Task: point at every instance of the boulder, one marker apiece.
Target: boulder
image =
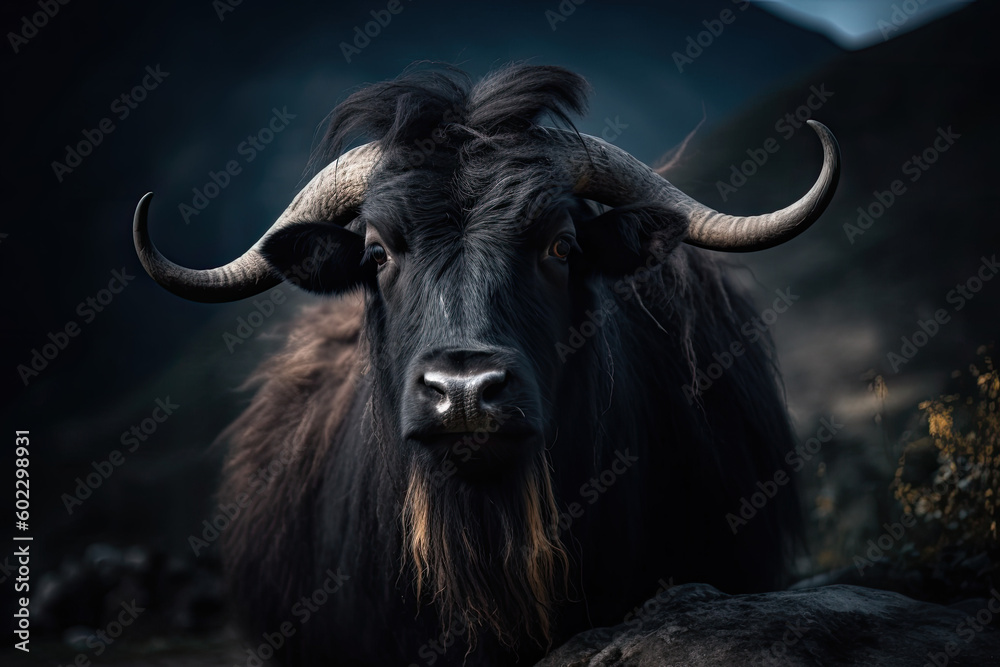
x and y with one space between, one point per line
695 624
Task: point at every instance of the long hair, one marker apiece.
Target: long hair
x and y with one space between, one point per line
494 559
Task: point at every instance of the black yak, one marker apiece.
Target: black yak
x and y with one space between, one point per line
493 432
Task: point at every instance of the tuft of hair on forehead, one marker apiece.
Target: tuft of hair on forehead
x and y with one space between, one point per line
431 97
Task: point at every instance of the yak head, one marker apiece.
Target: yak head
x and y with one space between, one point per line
474 233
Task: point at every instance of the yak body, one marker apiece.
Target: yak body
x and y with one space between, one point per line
334 507
361 546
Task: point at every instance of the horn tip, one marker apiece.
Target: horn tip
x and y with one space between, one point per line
145 199
822 130
140 233
143 204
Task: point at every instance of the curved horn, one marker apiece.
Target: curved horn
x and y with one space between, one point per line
339 187
609 175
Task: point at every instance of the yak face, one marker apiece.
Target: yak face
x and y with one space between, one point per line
473 269
472 289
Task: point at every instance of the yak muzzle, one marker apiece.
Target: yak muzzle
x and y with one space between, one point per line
464 400
477 400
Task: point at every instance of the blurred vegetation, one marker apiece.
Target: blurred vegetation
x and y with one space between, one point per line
956 505
943 471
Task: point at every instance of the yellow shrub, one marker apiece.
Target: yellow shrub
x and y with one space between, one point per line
959 503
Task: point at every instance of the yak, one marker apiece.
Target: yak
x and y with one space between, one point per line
493 430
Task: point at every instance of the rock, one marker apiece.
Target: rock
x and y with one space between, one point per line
77 636
137 559
695 624
84 594
200 604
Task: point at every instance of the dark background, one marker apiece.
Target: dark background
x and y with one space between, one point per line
63 239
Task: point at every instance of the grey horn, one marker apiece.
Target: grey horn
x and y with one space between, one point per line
609 175
337 188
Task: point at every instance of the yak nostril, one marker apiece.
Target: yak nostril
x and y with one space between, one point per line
439 382
444 386
490 385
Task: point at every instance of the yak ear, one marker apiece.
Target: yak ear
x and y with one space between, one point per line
319 257
624 239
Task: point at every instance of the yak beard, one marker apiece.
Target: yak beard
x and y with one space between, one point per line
488 556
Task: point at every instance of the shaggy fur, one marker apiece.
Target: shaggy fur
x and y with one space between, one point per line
445 569
469 582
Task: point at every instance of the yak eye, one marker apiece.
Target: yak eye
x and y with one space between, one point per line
376 253
561 247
